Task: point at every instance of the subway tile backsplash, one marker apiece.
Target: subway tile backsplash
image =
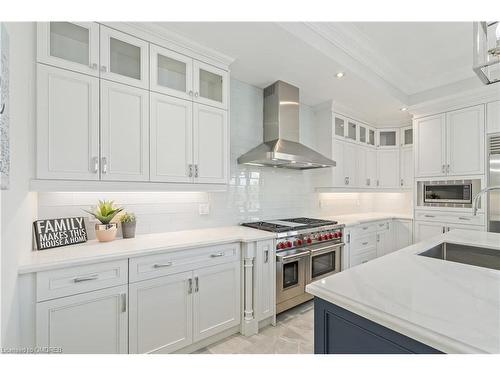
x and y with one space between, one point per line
254 193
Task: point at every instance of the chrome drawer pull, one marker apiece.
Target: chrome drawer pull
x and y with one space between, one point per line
464 218
429 216
196 284
381 225
364 243
85 278
161 265
124 302
190 286
364 228
217 255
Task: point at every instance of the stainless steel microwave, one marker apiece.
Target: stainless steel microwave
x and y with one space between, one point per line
448 193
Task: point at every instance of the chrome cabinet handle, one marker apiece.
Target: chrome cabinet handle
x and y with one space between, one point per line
95 162
266 256
367 182
104 162
190 92
196 94
348 238
217 255
378 182
378 237
464 218
447 229
196 170
124 302
196 285
444 229
346 181
429 216
364 261
190 286
162 265
402 183
364 228
190 170
93 66
447 168
104 68
381 225
86 278
2 109
364 243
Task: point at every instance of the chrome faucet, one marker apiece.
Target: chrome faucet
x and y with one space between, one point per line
476 198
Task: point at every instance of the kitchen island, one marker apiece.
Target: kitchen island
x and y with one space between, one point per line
407 303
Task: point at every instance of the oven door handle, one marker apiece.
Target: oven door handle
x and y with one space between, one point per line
325 249
291 257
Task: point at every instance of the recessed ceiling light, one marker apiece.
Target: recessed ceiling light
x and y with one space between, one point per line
339 74
403 109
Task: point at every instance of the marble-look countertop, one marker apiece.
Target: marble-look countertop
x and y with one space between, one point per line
449 306
94 251
357 219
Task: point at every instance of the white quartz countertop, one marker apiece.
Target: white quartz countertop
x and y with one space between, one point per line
94 251
449 306
357 219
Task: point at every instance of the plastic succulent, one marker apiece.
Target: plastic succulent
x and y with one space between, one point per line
105 212
127 217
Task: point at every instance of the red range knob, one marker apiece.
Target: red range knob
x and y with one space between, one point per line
309 241
336 235
330 236
281 245
321 238
340 234
299 242
289 244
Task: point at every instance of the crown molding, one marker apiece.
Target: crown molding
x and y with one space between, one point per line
481 95
156 33
334 42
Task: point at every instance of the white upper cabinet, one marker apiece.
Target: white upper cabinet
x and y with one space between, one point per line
67 125
211 85
124 58
171 73
406 136
406 167
388 168
493 117
371 167
450 144
171 139
388 138
430 146
465 141
69 45
350 162
211 144
124 133
352 130
362 174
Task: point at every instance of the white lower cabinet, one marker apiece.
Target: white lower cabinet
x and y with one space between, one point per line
216 299
406 167
93 322
427 229
161 314
265 268
403 233
385 240
171 312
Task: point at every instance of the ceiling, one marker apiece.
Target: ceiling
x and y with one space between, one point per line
387 65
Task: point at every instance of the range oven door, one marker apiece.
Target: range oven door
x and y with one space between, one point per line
325 260
291 267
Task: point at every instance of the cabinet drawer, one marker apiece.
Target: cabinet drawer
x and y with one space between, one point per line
362 244
451 217
364 257
151 266
75 280
363 229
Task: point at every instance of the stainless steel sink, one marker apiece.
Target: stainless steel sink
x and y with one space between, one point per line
476 256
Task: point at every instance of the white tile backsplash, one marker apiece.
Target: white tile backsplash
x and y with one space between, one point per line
254 193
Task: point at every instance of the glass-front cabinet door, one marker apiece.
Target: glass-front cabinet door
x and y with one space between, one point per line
351 130
124 59
362 134
407 136
171 72
371 137
69 45
210 85
388 138
340 125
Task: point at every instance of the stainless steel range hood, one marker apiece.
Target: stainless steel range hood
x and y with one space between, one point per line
281 147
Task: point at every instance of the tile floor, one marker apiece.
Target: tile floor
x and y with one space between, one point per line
293 334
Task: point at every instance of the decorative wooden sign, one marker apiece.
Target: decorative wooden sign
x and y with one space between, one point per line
59 232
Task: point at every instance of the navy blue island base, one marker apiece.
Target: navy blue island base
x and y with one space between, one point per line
339 331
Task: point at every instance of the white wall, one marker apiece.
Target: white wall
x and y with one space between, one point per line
18 204
254 193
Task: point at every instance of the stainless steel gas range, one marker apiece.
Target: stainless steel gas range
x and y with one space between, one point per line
306 250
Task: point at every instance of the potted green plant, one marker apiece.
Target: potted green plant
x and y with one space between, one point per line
105 212
128 222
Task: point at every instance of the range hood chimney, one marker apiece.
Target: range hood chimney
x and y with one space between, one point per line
281 147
